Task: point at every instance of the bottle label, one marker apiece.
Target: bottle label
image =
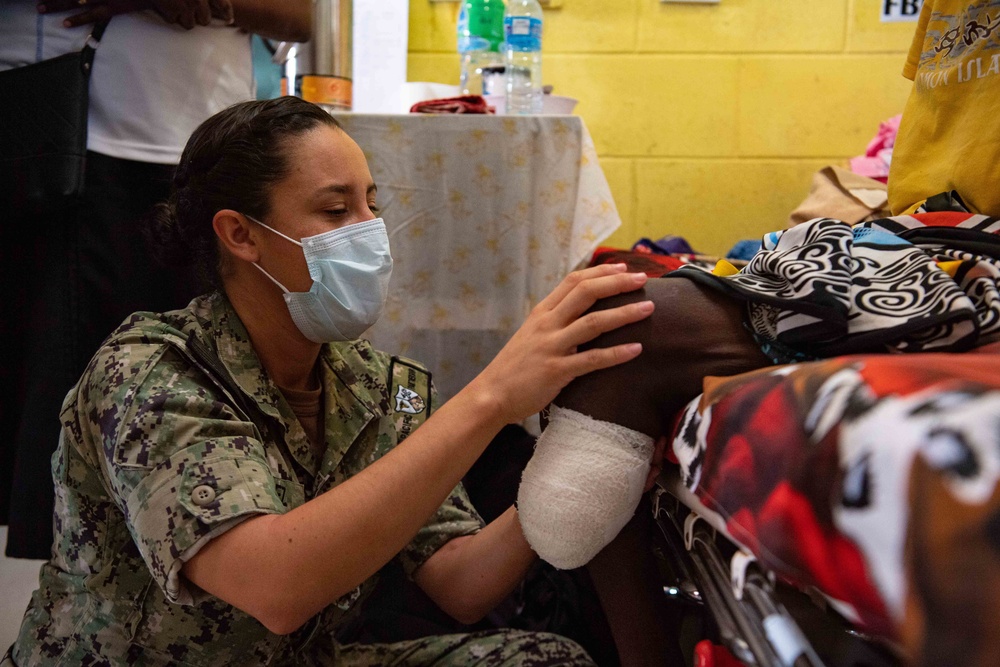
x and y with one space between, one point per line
473 43
523 33
333 91
480 26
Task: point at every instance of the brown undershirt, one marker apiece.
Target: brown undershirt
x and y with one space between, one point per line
308 407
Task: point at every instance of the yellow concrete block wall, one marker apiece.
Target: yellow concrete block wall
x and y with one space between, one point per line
709 119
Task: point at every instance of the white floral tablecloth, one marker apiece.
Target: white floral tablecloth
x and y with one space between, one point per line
486 214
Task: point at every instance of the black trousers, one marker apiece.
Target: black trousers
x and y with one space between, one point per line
68 281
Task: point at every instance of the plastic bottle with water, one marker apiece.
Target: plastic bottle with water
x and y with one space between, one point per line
523 49
480 36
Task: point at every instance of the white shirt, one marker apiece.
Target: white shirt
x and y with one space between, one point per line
152 83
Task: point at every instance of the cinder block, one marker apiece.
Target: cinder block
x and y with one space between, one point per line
805 106
743 26
592 26
714 203
438 67
432 26
867 34
651 105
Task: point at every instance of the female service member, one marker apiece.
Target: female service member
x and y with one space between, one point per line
231 476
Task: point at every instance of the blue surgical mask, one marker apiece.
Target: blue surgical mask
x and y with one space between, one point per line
350 268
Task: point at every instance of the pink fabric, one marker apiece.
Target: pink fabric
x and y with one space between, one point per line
878 155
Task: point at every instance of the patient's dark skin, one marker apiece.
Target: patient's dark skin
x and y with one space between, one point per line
693 333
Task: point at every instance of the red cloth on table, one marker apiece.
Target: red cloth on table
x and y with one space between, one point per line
462 104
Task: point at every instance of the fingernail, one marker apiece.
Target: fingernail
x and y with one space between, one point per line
639 277
646 306
633 348
620 267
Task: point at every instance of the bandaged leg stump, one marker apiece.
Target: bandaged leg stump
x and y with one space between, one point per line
581 486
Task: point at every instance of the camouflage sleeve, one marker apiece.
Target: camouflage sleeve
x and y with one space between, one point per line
454 518
180 463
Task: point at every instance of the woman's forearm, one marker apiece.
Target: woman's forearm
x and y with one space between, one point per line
288 20
469 576
283 569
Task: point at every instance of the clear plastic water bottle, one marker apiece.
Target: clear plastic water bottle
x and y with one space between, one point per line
523 49
480 36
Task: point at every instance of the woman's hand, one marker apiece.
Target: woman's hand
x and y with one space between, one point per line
542 358
185 13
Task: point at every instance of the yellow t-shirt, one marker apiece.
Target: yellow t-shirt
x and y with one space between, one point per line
949 138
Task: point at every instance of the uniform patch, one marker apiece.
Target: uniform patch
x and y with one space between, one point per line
409 401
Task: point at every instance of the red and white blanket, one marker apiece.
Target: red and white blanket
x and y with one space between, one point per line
872 478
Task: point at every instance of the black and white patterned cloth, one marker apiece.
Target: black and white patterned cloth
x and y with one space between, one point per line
930 281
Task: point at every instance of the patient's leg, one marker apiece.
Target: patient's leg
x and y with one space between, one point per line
693 332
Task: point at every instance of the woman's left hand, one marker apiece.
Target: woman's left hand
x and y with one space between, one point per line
543 357
185 13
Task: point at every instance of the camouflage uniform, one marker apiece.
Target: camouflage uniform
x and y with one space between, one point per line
175 434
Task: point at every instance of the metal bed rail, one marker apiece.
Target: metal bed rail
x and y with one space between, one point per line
736 592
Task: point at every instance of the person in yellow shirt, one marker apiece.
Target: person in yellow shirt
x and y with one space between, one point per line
945 140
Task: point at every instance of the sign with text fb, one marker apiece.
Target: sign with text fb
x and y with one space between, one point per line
895 11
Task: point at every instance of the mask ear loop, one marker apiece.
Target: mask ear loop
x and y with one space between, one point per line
259 267
272 279
272 229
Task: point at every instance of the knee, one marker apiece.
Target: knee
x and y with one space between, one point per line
693 332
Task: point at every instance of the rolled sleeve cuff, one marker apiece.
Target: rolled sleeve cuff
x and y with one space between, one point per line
177 509
455 518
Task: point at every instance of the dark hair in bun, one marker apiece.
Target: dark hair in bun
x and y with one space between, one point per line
230 161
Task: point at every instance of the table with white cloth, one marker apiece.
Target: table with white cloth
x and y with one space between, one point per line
486 214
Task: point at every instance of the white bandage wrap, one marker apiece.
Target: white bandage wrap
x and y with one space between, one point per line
581 486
